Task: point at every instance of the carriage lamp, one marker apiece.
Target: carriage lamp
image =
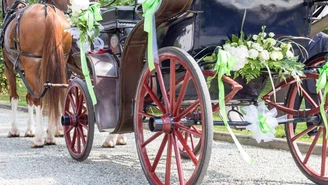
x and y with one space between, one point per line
114 41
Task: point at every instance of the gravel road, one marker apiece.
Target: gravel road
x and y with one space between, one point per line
22 165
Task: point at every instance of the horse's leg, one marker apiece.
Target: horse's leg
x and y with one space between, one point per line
14 132
55 122
39 132
38 140
51 130
121 140
59 128
114 139
30 132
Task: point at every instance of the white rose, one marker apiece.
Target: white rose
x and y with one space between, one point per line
240 54
253 54
280 55
79 5
255 37
264 55
271 34
243 48
226 47
257 46
276 48
263 34
289 54
274 55
249 44
271 41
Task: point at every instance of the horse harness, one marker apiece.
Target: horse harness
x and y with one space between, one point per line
10 15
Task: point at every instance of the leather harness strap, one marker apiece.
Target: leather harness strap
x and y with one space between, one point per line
11 15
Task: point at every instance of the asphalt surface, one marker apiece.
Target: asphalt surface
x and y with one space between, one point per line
21 164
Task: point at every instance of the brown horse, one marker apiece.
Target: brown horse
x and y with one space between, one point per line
34 45
60 4
112 139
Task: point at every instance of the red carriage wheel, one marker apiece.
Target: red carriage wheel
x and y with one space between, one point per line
310 158
78 120
166 136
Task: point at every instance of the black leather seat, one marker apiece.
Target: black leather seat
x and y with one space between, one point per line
119 17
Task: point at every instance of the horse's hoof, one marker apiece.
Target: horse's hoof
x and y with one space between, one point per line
29 134
50 143
59 134
37 146
13 134
108 144
121 142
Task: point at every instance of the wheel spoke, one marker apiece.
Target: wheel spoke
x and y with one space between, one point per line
69 130
195 129
312 127
159 154
178 159
154 98
182 92
187 129
152 138
78 141
172 85
192 141
308 154
308 97
84 142
80 103
71 101
142 113
162 86
187 110
84 125
73 140
187 148
85 110
168 162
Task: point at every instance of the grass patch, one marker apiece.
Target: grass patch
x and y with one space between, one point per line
21 91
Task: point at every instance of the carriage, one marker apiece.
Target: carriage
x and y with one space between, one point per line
171 108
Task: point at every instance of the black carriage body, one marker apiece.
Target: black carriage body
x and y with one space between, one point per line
211 22
207 24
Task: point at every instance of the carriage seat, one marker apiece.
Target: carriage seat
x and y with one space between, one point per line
119 17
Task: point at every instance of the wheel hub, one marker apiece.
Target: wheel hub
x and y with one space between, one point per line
166 123
70 120
161 124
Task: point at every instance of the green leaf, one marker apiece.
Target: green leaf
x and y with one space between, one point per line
234 38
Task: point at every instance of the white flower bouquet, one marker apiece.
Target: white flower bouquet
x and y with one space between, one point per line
262 52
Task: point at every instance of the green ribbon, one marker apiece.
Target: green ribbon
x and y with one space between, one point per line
264 126
86 74
89 27
224 63
150 7
322 84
